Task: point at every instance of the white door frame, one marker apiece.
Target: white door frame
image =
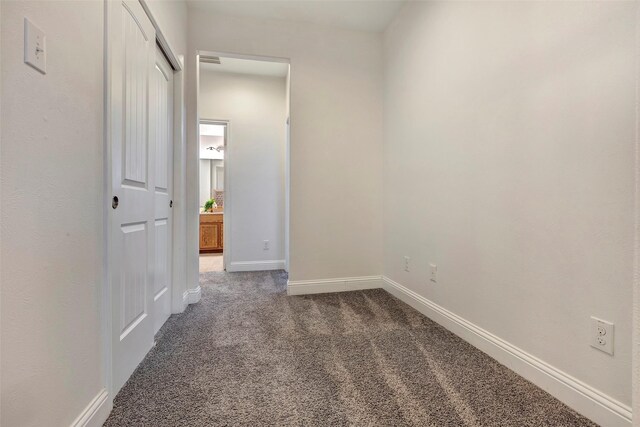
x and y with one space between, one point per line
179 140
226 222
195 162
635 327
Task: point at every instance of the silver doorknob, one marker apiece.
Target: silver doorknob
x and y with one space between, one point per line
114 202
171 203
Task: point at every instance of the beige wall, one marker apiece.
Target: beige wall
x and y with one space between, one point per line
51 214
509 163
171 16
635 374
523 197
336 120
255 107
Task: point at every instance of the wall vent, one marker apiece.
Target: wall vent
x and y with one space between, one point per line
210 59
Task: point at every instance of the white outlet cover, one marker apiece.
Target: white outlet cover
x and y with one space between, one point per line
434 273
35 50
602 335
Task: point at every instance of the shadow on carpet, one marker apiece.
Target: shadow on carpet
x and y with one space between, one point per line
249 355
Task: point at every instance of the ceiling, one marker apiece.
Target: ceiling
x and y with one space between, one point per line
364 15
211 130
247 66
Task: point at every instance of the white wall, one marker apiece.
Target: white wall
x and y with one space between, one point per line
171 16
1 37
509 163
635 373
287 175
255 107
51 214
336 118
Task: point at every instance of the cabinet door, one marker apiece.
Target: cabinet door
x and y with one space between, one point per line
203 240
216 238
208 236
221 234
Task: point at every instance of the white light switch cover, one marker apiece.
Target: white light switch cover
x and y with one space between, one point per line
35 47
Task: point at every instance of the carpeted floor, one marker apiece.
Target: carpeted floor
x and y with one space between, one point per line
249 355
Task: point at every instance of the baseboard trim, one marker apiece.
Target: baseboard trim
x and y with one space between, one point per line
96 413
590 402
255 266
302 287
192 296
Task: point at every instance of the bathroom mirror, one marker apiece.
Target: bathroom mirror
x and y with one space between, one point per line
212 146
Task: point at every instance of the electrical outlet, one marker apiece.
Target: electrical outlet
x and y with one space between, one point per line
266 245
602 333
406 263
34 47
434 273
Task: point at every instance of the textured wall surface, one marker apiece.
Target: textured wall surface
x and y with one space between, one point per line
256 110
635 375
51 214
509 163
336 137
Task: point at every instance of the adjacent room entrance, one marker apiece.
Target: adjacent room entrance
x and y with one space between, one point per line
213 137
243 112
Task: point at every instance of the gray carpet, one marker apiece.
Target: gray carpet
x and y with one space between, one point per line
249 355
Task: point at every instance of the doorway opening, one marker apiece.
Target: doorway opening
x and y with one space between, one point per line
212 140
243 140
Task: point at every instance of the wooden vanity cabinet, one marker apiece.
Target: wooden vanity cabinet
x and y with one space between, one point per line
211 232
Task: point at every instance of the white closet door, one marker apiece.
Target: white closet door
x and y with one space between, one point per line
132 255
162 135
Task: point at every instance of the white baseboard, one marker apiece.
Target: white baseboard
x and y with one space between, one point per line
192 296
588 401
255 266
301 287
96 413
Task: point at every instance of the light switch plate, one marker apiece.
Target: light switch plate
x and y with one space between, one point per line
35 53
433 269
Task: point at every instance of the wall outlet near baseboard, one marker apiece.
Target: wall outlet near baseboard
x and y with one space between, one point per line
35 53
602 333
265 246
406 263
434 273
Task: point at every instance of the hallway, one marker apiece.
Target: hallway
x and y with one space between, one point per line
474 162
210 263
248 354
